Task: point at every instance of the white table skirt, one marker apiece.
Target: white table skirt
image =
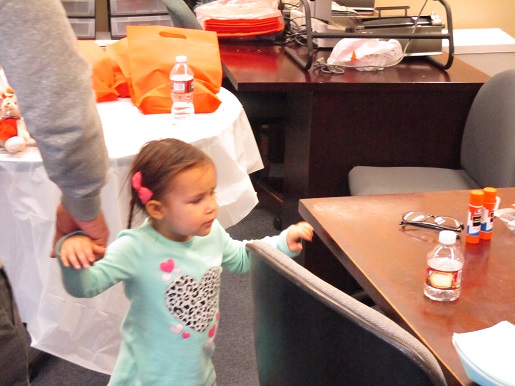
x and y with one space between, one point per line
87 331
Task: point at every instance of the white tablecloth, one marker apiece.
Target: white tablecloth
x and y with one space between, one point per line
86 331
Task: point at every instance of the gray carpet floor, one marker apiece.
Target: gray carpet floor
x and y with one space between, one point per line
234 358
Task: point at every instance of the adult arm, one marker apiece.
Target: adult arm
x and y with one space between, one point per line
53 84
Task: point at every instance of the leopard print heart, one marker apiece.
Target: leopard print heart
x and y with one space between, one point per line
194 304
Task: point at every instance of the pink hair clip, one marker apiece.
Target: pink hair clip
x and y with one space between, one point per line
144 193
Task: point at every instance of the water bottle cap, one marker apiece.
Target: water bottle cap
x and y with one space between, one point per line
447 237
181 58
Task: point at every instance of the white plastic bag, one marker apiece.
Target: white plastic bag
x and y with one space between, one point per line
237 9
366 54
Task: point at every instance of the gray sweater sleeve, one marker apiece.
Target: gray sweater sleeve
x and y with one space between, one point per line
53 83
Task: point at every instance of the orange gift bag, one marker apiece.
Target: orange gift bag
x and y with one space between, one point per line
151 56
119 52
102 67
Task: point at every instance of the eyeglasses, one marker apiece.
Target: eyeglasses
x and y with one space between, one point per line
423 220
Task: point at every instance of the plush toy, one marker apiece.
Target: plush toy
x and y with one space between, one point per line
13 132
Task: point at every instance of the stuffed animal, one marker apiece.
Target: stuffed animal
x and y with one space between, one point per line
13 132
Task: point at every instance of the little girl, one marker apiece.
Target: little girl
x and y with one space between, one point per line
170 265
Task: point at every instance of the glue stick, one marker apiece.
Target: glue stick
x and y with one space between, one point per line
490 204
475 213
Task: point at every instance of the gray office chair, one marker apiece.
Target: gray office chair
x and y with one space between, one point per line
487 151
307 332
181 14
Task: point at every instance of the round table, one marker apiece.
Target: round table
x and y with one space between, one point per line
86 331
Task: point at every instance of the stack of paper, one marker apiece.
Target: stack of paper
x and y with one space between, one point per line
488 355
244 27
236 18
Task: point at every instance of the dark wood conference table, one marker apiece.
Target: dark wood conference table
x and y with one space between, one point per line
389 263
411 114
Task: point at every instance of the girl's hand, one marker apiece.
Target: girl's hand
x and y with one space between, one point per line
297 233
96 229
79 251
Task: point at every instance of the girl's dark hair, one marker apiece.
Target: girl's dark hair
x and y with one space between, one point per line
159 162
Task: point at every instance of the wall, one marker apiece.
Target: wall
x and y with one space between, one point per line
465 13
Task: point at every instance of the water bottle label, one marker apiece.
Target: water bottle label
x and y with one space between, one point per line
443 280
182 86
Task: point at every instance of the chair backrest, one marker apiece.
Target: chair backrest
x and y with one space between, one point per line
488 145
307 332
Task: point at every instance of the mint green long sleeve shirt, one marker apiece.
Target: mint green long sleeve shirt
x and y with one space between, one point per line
173 288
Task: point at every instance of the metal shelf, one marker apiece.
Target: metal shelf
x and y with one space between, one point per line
310 35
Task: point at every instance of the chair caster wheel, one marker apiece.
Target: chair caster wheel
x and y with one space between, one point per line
278 223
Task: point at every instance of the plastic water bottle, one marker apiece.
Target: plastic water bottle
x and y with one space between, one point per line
444 269
181 82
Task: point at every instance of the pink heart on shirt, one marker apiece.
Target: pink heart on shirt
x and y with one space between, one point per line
167 266
176 329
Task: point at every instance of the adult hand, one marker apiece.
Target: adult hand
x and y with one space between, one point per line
96 229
